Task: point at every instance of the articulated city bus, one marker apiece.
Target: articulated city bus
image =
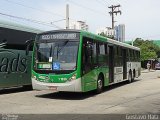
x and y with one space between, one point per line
15 65
79 61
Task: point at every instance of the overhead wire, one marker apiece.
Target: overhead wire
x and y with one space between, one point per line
100 2
105 1
70 1
58 20
51 24
82 6
151 36
52 13
144 37
31 20
40 10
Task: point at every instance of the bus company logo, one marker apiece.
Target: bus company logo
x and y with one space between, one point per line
11 62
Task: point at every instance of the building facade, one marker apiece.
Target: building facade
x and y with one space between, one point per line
79 25
120 33
107 31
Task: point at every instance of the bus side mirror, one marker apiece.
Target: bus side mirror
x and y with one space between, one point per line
28 45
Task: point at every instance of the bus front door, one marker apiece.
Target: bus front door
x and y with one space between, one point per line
111 64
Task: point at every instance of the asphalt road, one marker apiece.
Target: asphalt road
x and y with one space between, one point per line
139 97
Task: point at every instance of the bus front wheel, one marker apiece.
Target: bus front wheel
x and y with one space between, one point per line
99 85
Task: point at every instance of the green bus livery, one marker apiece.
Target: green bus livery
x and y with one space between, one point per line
79 61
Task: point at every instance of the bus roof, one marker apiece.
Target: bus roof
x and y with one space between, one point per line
11 25
122 44
112 41
94 36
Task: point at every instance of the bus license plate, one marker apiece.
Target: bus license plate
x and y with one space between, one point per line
53 88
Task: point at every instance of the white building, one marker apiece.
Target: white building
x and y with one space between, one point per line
79 25
107 31
120 32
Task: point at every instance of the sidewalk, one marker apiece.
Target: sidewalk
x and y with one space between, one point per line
146 70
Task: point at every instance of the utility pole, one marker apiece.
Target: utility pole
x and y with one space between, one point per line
113 12
67 16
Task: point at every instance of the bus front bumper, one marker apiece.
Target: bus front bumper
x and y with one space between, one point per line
72 86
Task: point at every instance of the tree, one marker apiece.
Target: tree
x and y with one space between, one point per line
138 42
102 34
148 49
147 54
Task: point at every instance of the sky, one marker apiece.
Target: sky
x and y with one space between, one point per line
141 17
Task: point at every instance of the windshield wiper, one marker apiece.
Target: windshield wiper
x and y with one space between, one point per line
50 53
63 46
58 51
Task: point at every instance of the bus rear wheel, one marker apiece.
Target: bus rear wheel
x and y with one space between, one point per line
130 77
134 75
100 85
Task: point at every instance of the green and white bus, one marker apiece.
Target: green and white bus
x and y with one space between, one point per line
79 61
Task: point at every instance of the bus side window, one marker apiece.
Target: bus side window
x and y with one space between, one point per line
106 54
102 54
95 58
87 56
116 55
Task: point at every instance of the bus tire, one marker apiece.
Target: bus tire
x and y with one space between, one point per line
130 77
134 75
100 85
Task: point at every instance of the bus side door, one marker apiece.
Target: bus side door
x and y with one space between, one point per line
89 64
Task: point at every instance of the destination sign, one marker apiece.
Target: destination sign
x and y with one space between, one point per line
59 36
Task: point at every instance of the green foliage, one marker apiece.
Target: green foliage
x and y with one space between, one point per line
102 34
138 42
148 49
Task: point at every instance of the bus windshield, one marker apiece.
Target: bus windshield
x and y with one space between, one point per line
59 55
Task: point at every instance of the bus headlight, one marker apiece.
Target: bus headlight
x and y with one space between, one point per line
33 76
73 77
